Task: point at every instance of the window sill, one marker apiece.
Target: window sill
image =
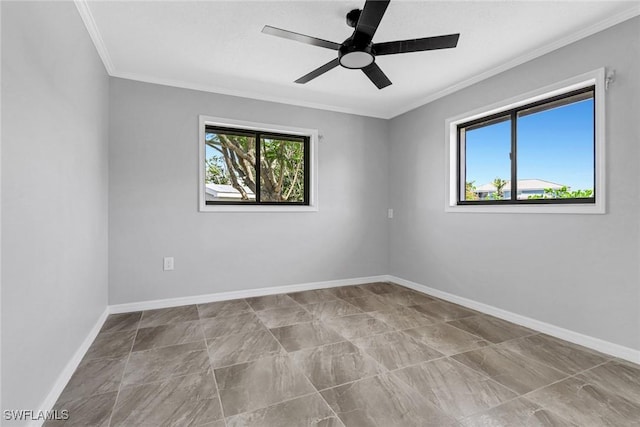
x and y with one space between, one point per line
573 208
257 208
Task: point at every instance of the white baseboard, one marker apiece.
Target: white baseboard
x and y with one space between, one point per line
598 344
603 346
70 367
547 328
247 293
75 360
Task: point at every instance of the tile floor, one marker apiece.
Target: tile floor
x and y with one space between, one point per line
368 355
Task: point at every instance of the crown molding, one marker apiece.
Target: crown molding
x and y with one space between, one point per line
94 33
247 94
572 38
96 37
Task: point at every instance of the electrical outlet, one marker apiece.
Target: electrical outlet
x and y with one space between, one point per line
390 213
168 263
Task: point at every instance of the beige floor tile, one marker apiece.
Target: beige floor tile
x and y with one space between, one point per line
230 325
311 297
223 308
122 322
168 316
456 389
111 344
491 328
284 316
162 363
305 335
380 288
380 355
307 411
586 404
383 401
402 318
181 401
564 356
334 364
520 413
268 302
328 309
407 298
443 311
166 335
240 348
622 378
261 383
351 292
510 369
396 349
357 325
98 376
88 411
447 339
372 303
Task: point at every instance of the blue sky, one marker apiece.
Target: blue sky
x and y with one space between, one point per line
554 145
210 152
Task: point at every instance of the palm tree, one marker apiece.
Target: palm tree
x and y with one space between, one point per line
499 184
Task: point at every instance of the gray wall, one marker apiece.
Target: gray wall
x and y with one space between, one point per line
576 271
59 232
54 195
153 200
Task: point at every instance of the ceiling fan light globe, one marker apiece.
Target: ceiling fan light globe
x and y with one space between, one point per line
356 59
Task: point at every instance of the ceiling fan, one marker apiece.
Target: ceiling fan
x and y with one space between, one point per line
359 51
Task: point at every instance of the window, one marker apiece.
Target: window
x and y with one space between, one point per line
254 167
540 151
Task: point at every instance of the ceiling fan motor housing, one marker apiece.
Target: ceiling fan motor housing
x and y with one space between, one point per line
355 57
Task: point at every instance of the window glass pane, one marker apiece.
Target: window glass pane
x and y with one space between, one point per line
556 150
282 169
230 174
485 152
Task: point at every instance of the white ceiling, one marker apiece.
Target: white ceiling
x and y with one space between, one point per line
218 45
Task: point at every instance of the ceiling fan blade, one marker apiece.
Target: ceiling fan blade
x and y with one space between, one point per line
314 41
318 71
376 75
416 45
370 18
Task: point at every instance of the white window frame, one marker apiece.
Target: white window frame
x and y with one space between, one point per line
241 124
594 78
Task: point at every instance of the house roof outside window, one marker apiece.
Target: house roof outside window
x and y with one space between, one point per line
225 191
528 185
